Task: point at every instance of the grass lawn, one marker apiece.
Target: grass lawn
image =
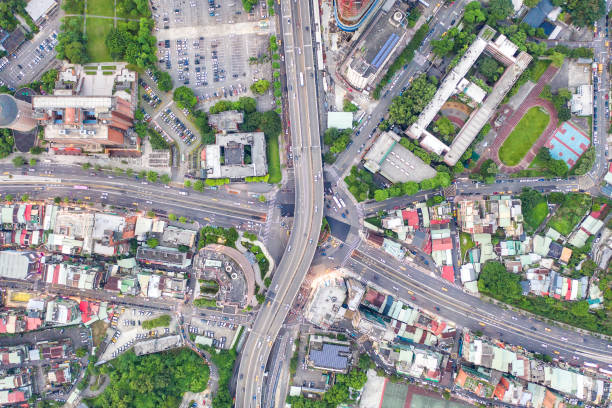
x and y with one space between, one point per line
538 69
570 213
101 8
539 214
274 168
523 136
466 243
97 29
98 332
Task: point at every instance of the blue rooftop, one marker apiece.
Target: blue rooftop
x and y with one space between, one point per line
331 356
537 15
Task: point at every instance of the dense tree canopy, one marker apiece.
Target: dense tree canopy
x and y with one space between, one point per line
500 9
497 281
132 41
583 12
71 41
6 142
260 87
152 381
8 9
405 108
164 81
185 98
133 8
48 80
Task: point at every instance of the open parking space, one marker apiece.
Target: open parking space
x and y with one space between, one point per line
126 329
30 60
221 331
215 67
189 13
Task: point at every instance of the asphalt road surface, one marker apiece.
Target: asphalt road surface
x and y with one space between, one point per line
209 207
299 60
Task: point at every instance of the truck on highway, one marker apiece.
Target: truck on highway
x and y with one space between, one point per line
301 79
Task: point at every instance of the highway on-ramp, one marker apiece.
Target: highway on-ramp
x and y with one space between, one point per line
299 60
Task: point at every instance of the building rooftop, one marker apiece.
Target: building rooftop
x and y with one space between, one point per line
330 356
340 120
38 8
234 146
227 121
394 161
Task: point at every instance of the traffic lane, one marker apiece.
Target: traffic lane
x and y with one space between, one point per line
147 203
77 174
135 192
305 177
459 304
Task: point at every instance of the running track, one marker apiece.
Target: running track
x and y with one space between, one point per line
533 99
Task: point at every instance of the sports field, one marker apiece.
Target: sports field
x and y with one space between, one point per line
523 136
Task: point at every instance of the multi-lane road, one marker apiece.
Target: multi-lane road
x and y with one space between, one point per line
220 207
302 99
405 280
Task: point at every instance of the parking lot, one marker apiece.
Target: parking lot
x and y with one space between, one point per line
212 54
170 14
126 329
215 67
221 332
32 58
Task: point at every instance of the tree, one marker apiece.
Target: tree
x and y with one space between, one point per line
443 46
32 162
251 122
248 5
271 124
473 13
187 183
152 242
48 80
198 185
380 195
18 161
584 12
260 87
81 352
182 219
172 217
25 197
490 68
152 176
494 280
500 9
184 98
444 126
165 178
57 200
348 106
164 81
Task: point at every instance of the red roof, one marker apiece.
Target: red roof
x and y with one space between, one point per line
412 217
448 273
439 222
442 244
16 396
33 323
84 308
597 214
427 248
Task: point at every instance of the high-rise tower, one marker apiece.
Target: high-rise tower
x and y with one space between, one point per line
350 14
16 114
